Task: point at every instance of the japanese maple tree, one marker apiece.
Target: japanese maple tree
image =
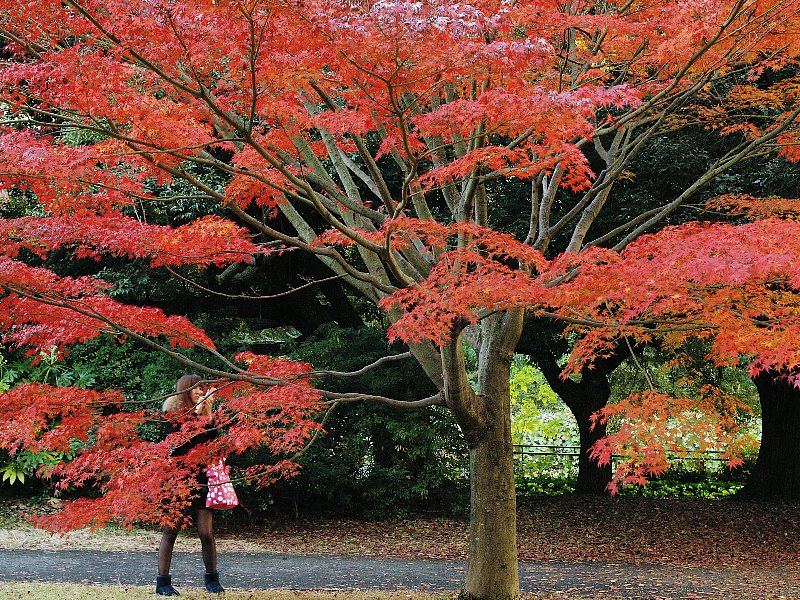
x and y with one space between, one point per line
733 285
380 132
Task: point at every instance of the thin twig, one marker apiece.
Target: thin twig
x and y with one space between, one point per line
639 365
317 433
362 370
247 297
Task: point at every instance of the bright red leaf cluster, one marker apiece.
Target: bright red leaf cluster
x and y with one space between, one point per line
279 97
40 310
113 451
208 241
735 283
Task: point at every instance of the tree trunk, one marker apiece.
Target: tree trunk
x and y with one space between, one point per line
492 568
592 478
583 398
777 470
485 419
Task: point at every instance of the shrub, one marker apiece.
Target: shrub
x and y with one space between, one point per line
373 460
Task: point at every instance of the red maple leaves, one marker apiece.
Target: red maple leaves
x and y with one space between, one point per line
295 107
139 480
735 283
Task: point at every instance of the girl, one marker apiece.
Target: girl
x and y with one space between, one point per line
190 395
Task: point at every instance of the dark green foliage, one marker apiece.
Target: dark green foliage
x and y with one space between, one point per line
692 482
22 474
144 376
674 484
141 374
16 203
374 460
669 488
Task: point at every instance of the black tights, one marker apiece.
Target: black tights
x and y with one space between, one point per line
205 529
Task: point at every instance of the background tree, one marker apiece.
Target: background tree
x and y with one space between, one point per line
774 474
656 174
732 285
311 109
584 394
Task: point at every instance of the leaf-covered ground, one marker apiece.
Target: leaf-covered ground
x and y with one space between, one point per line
735 549
679 532
684 532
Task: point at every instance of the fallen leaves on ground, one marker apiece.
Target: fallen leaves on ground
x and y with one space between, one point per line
678 532
669 531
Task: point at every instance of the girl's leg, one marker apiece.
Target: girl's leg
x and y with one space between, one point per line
205 529
168 537
164 581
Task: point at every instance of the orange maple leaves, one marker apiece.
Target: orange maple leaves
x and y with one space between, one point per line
41 309
735 283
455 94
140 481
655 429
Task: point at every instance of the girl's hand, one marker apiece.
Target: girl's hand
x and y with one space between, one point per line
206 404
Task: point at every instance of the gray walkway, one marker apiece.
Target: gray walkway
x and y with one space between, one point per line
271 571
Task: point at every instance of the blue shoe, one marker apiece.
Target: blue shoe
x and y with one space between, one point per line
212 583
164 586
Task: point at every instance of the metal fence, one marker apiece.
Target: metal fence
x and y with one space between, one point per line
555 459
560 450
545 450
534 460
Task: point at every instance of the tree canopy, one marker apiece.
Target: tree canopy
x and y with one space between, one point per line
375 135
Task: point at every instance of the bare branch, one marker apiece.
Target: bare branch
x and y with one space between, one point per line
245 296
317 433
435 400
639 366
362 370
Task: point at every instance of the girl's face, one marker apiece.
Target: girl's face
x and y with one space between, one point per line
196 393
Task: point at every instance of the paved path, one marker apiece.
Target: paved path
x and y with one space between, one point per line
272 571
